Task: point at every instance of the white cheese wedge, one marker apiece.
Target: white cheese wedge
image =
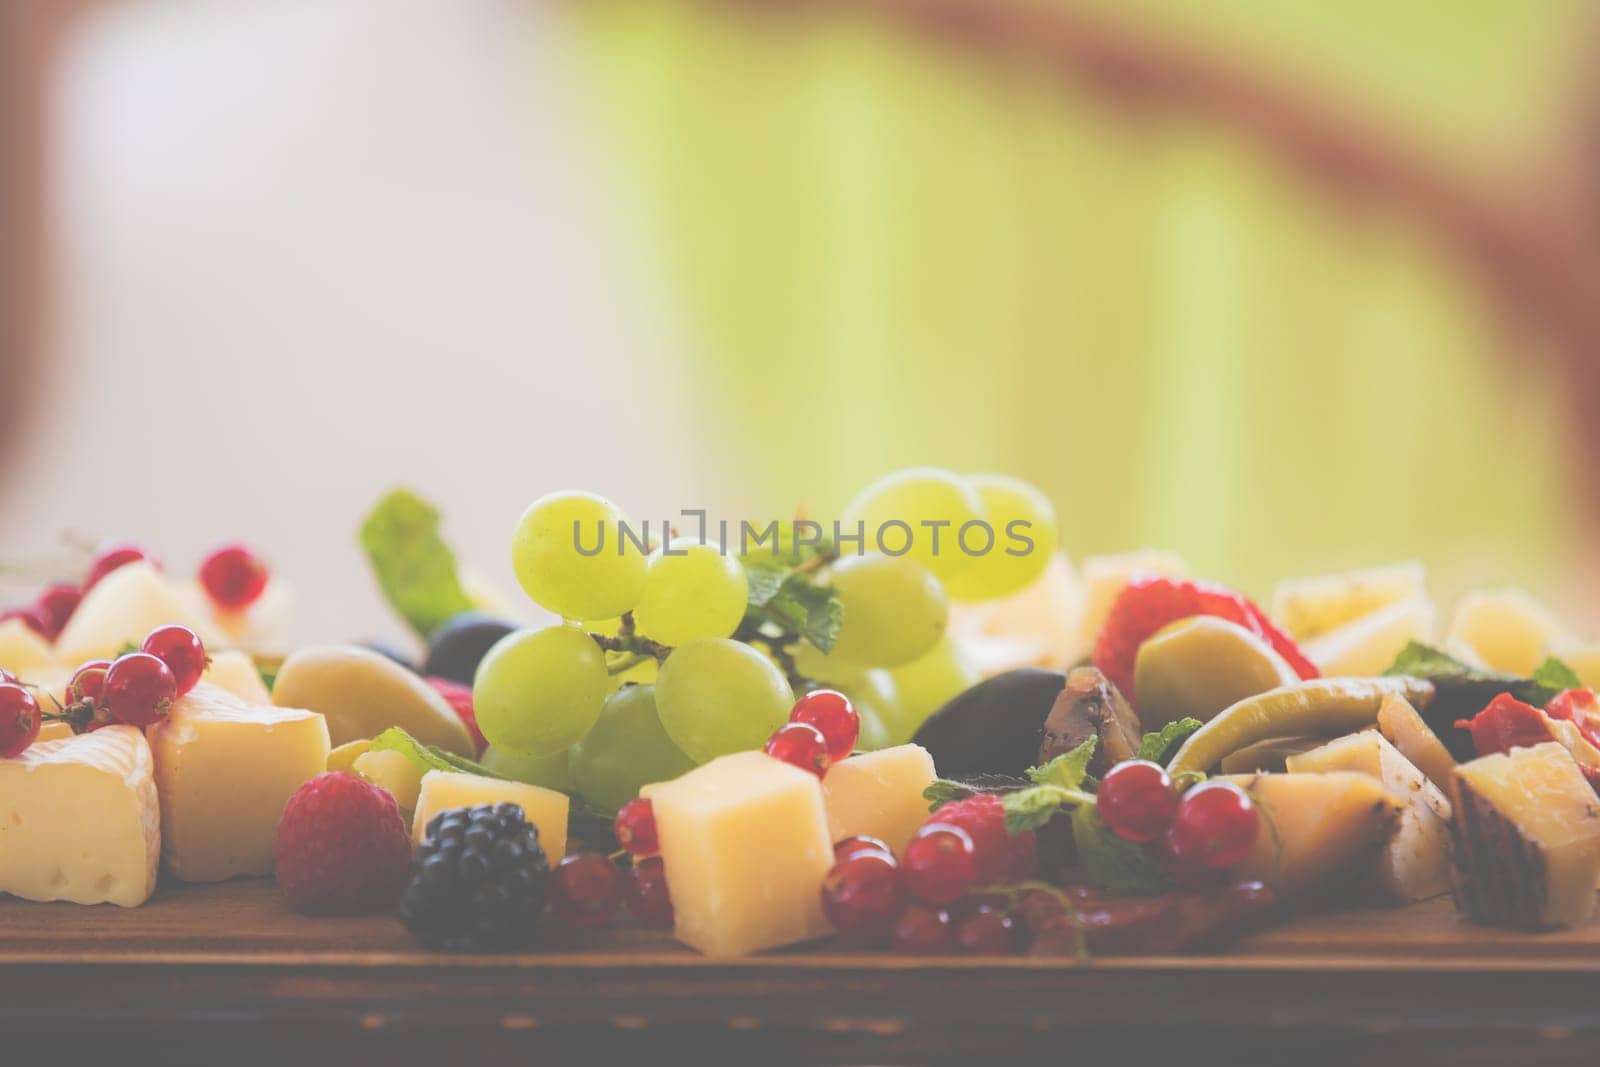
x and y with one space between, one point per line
744 840
79 820
224 770
879 794
1415 864
545 808
121 609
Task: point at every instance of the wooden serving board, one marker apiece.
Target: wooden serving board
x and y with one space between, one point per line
200 965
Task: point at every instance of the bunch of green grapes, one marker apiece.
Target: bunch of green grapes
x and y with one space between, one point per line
657 663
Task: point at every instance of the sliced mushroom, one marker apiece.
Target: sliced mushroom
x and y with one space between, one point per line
1090 706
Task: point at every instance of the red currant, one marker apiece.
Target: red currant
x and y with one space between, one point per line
802 745
648 898
862 894
112 557
832 713
32 618
585 890
636 828
56 605
941 864
1137 801
1214 828
139 689
181 650
986 931
233 577
88 681
923 930
19 720
854 846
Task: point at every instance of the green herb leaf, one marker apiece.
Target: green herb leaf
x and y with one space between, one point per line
1068 770
415 568
1418 660
764 580
1029 809
943 790
1553 674
1110 862
428 757
1162 745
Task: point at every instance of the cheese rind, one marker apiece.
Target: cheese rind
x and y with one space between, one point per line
224 771
744 840
79 820
545 808
879 794
1527 838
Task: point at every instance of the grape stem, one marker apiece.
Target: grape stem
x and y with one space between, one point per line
627 639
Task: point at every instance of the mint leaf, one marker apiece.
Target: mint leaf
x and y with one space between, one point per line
1553 674
1160 746
1442 669
764 580
942 791
1029 809
415 568
1068 770
792 600
428 757
1110 862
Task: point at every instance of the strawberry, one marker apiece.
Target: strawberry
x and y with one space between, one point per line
1149 602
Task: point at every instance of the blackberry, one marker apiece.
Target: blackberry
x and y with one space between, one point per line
478 881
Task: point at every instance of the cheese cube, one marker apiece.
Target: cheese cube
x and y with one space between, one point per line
393 771
24 653
545 808
79 821
236 672
879 794
745 843
224 770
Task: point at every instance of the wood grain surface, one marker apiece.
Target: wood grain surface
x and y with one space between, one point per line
201 966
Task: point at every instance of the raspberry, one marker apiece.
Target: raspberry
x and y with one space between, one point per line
1150 602
480 881
342 847
1001 857
459 697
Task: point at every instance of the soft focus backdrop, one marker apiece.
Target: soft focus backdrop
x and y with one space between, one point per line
1278 285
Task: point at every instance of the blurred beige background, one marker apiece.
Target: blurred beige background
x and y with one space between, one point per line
309 250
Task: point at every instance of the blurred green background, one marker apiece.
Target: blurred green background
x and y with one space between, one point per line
897 251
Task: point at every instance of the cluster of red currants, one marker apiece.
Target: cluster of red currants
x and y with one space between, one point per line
1195 836
587 888
232 576
135 689
822 730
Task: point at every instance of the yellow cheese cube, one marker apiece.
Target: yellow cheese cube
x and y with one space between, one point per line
745 843
78 820
121 609
545 808
879 794
224 770
393 771
26 654
236 672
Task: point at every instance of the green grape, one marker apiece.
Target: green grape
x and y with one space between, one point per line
825 667
699 594
926 683
916 496
878 705
719 696
627 748
641 673
559 578
537 692
551 772
995 574
894 610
